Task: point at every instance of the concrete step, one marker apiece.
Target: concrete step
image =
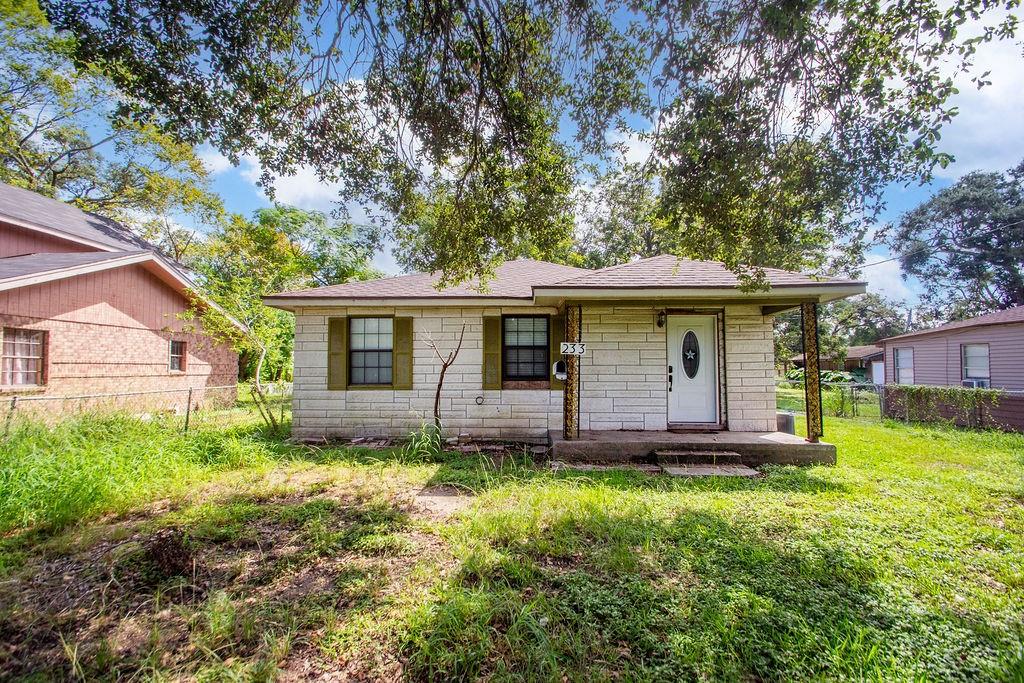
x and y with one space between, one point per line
695 457
709 471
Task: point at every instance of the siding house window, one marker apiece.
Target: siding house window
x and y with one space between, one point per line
371 343
177 360
24 358
525 347
904 366
974 361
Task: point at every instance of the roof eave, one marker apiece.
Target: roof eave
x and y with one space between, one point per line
165 271
820 293
287 303
72 271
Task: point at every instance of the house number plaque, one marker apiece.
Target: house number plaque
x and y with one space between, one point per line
572 348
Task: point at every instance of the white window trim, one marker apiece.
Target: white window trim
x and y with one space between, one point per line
170 356
963 362
897 367
44 358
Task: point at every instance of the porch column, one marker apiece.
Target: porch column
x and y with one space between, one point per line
812 374
570 394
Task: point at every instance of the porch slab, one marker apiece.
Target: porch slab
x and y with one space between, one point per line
753 448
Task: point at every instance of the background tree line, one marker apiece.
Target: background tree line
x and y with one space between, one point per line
468 131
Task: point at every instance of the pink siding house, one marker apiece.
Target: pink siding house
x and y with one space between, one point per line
88 308
987 351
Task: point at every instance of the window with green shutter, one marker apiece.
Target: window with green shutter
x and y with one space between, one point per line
369 352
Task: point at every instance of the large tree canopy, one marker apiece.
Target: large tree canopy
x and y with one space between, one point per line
966 245
57 138
774 125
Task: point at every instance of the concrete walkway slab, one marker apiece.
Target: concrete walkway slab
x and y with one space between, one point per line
709 471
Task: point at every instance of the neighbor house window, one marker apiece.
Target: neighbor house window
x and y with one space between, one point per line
177 362
370 347
24 358
525 347
904 366
974 361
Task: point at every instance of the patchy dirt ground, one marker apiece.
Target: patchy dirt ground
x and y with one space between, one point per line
261 584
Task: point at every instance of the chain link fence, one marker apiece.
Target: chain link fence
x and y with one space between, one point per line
191 408
957 406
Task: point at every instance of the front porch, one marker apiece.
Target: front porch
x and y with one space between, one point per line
751 448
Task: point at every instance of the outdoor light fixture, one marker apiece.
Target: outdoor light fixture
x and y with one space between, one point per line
661 319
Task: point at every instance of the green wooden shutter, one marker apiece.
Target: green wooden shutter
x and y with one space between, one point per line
556 335
402 354
492 352
337 353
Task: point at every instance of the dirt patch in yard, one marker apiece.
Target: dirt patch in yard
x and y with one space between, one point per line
240 587
442 501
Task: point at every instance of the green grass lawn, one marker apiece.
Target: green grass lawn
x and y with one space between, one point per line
254 559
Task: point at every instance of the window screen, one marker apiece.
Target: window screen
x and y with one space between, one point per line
370 347
22 362
525 348
975 361
177 363
904 366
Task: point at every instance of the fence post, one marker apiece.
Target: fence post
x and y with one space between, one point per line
188 409
10 416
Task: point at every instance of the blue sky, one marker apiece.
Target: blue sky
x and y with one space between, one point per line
988 134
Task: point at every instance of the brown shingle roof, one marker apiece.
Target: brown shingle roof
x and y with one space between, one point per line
1010 315
512 280
33 208
33 264
670 271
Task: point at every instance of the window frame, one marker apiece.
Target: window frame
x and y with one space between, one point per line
546 348
171 356
988 362
349 350
43 358
896 367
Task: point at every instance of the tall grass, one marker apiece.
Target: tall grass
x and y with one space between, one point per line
93 464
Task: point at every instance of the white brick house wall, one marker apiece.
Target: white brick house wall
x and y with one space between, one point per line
318 412
623 377
624 373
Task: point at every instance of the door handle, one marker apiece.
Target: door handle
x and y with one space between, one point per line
670 378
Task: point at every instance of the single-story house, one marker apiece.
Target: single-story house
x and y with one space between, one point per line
671 346
857 358
986 351
88 308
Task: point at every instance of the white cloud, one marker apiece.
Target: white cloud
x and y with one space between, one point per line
302 189
886 279
988 133
632 147
214 161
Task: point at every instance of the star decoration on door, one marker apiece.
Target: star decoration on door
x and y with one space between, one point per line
689 355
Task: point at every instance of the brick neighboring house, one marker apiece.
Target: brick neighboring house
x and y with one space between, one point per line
88 308
670 345
984 351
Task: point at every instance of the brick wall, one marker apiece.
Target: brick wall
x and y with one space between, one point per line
623 377
109 332
749 369
318 412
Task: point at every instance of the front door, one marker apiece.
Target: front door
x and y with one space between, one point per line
692 369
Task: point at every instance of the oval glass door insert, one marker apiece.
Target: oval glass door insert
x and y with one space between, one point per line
691 354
